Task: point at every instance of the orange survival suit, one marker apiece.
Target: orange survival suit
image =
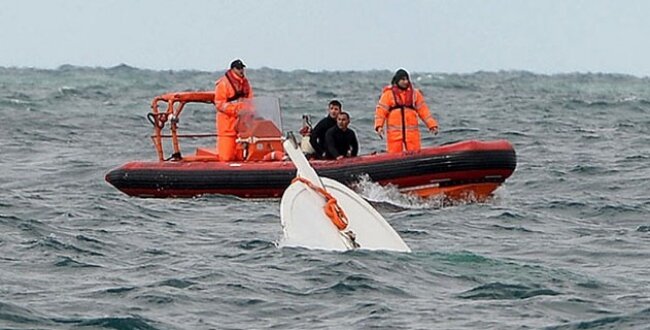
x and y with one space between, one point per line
230 92
399 110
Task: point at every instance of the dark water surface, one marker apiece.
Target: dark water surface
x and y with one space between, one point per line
564 244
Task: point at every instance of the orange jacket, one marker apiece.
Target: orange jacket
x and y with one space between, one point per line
402 129
227 105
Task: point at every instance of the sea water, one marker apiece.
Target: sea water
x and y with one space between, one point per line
563 244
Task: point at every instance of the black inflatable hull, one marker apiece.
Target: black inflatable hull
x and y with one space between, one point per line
476 167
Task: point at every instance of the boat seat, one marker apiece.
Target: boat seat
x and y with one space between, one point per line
260 140
263 138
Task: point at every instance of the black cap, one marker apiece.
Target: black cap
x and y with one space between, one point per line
401 73
238 64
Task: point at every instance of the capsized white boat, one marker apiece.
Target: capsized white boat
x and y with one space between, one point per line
305 223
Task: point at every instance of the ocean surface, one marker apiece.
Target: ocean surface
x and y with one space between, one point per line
563 244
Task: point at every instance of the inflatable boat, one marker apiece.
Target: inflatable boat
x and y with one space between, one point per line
465 169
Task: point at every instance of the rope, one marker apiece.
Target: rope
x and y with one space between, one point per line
332 208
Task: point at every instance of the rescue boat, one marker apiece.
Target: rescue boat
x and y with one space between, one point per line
466 169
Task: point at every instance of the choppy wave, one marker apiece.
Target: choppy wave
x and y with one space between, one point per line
562 245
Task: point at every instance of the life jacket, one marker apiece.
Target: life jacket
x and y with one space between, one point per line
402 132
399 103
239 84
402 105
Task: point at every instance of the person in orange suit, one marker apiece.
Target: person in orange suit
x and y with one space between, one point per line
230 95
398 109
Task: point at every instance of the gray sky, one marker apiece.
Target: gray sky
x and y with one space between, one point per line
545 36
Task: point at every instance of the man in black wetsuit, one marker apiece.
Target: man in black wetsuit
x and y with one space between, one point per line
340 141
317 138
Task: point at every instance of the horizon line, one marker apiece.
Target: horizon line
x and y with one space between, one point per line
125 65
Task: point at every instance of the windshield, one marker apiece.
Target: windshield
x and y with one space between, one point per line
261 108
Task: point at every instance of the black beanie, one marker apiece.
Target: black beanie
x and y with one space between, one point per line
401 73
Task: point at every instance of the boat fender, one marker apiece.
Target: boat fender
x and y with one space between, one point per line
305 146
